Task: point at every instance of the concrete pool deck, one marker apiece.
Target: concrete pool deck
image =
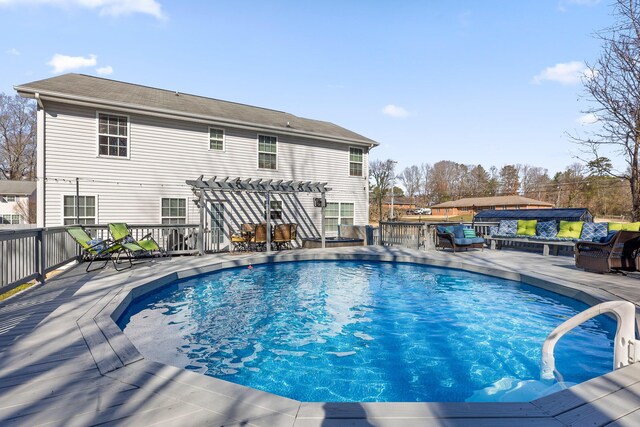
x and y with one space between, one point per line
62 362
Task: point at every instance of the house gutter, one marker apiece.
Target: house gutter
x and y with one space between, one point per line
37 97
172 114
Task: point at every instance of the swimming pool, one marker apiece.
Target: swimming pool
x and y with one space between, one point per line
367 331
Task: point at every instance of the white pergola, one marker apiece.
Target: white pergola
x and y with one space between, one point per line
267 187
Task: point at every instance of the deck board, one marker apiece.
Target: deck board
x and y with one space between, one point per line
55 339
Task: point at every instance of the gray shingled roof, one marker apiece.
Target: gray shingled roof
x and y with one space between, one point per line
143 97
17 188
491 201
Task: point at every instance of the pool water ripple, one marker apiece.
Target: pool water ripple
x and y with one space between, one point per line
367 331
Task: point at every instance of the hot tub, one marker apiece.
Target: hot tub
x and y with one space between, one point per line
331 242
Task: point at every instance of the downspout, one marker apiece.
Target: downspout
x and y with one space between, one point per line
40 165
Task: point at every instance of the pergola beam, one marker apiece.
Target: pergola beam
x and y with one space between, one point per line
258 185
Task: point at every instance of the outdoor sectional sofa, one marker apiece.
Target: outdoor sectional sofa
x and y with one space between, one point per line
555 234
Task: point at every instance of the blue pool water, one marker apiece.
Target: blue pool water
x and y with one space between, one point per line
367 331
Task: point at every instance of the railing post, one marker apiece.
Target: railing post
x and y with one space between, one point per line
380 241
202 221
40 251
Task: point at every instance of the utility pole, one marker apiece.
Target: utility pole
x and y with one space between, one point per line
393 185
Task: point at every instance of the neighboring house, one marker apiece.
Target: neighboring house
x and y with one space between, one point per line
131 149
16 200
476 204
401 203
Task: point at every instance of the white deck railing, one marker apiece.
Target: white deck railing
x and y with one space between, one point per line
29 254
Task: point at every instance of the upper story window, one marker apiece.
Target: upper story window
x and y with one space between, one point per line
86 210
356 156
174 211
113 135
216 139
8 198
267 152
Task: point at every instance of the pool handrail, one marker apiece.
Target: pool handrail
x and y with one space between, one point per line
625 344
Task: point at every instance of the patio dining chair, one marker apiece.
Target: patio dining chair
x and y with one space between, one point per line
259 239
96 249
294 234
282 236
240 241
121 234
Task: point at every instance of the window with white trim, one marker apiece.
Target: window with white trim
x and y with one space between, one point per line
10 219
338 213
331 217
8 198
113 135
267 152
276 209
216 139
86 213
356 159
346 213
174 211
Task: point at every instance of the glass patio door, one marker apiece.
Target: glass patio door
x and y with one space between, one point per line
216 225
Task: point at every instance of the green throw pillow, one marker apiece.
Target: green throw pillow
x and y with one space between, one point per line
615 226
626 226
570 229
526 227
469 233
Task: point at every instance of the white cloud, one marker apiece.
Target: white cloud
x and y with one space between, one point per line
105 71
63 63
583 2
564 4
568 73
395 111
104 7
13 51
587 119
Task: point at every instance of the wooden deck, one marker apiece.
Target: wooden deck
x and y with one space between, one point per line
62 363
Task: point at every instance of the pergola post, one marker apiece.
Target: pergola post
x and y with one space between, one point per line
202 223
323 204
268 217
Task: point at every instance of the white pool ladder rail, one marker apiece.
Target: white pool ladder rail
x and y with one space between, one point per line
625 345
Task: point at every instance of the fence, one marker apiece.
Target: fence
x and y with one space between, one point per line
418 235
30 254
406 234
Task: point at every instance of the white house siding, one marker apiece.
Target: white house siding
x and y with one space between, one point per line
164 153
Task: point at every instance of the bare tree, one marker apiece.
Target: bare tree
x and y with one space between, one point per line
27 209
572 185
382 173
613 86
426 173
411 178
535 181
17 137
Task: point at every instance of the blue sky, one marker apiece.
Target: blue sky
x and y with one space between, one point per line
490 82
